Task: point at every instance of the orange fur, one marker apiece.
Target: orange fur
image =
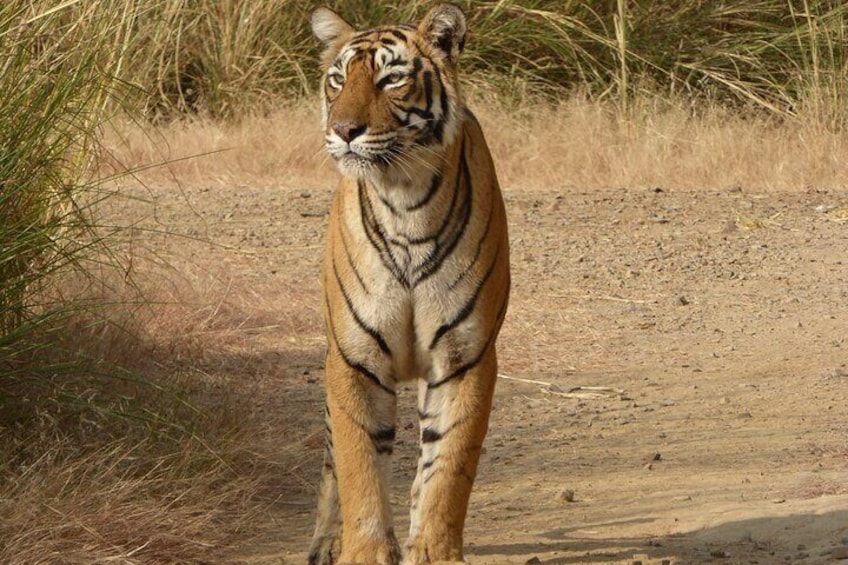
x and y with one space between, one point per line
416 281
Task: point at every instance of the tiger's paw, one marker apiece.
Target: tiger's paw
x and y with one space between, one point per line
372 552
324 551
419 555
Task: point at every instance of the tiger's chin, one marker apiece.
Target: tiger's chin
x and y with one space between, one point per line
380 170
393 168
359 167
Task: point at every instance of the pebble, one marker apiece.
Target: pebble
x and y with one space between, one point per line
533 561
839 552
567 495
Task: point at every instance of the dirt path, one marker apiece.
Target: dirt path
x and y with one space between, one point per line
718 320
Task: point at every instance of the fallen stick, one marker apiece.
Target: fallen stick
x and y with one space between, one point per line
578 392
530 381
585 392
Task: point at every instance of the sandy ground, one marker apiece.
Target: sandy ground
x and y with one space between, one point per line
715 321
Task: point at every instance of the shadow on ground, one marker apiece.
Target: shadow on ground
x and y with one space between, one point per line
806 537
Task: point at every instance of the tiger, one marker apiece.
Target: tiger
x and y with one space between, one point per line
416 284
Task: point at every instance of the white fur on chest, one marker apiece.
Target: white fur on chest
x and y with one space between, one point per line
409 311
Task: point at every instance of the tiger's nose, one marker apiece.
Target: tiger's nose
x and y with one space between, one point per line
349 130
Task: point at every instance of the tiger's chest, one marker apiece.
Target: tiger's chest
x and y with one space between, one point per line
401 274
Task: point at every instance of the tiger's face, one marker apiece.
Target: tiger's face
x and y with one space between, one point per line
389 95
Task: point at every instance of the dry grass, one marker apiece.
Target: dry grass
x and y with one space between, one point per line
283 148
147 453
579 144
169 469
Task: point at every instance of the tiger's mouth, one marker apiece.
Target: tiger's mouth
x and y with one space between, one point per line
362 158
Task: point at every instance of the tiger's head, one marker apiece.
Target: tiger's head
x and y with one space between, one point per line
390 95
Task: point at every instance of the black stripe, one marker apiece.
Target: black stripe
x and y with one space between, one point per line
429 435
443 97
376 236
351 261
383 440
387 434
450 212
388 205
474 362
359 321
412 89
427 77
479 249
428 464
439 126
399 34
466 310
384 81
358 367
445 248
435 183
365 372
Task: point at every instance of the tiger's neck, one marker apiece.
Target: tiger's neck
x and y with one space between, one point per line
412 185
416 225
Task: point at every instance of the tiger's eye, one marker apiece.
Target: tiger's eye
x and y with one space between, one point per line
335 80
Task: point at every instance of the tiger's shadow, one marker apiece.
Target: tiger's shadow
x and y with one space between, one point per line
793 538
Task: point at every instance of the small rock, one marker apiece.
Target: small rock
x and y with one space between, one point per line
567 495
533 561
838 373
839 553
682 301
730 227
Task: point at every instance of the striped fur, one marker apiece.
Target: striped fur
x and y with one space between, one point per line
416 283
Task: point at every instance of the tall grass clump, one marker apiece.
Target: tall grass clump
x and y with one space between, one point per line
53 95
786 57
101 457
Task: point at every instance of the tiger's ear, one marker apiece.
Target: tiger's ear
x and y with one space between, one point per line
444 28
328 26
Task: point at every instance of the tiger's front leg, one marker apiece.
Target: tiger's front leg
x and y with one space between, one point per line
362 417
454 417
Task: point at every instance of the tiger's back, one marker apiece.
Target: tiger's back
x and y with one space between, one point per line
416 279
